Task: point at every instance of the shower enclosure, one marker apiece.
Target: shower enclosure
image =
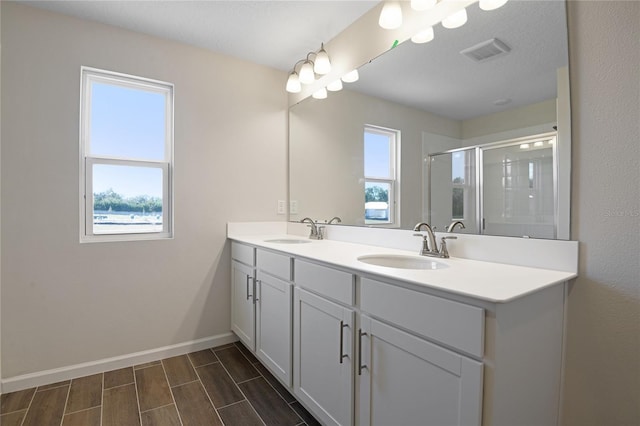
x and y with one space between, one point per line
506 188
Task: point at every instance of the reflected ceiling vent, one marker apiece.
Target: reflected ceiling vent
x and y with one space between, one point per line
486 50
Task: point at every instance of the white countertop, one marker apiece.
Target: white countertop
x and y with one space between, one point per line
491 282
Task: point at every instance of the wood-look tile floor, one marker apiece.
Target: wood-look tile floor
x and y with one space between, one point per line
225 385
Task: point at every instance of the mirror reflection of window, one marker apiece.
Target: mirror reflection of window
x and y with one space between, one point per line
457 199
381 185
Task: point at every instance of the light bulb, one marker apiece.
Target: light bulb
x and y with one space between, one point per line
306 73
320 94
524 146
391 16
420 5
456 20
491 4
350 77
293 83
335 86
322 64
423 36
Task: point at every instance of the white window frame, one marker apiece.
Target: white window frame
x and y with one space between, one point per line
87 161
393 180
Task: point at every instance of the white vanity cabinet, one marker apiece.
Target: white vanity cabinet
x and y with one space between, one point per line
405 379
323 342
359 348
274 313
243 293
261 306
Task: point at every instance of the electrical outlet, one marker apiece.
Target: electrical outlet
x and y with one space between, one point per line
282 207
293 207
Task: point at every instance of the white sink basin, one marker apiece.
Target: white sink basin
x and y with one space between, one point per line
287 241
399 261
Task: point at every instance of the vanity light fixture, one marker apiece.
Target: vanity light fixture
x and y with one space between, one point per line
320 94
390 16
307 73
307 76
420 5
351 76
491 4
424 36
455 20
293 83
335 86
322 63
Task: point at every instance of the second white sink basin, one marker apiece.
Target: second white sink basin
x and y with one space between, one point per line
399 261
287 241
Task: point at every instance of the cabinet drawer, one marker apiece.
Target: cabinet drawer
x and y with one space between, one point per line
278 265
454 324
243 253
337 285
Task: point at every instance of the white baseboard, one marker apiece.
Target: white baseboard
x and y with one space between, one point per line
45 377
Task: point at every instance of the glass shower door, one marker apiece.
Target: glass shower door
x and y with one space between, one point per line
453 190
517 189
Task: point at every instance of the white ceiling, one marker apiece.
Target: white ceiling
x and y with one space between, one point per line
433 76
273 33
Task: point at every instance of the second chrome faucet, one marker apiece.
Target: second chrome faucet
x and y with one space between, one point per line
429 244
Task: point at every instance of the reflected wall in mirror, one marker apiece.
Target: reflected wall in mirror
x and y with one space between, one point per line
434 99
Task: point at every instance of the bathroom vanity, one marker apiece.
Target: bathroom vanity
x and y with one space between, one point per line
416 342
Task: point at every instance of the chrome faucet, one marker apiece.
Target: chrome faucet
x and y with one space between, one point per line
336 218
429 239
453 225
429 245
316 233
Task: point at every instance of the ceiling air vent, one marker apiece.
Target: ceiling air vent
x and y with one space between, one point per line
486 50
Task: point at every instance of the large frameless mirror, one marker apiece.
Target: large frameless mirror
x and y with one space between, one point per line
436 131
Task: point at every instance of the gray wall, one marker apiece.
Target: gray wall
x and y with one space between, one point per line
602 378
65 303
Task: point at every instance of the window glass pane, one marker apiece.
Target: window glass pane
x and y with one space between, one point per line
457 207
127 123
126 199
377 155
458 167
376 202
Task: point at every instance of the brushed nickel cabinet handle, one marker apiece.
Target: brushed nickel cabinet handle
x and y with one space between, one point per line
255 290
248 295
342 326
360 365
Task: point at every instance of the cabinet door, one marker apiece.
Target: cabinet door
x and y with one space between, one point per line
273 325
323 362
242 303
407 381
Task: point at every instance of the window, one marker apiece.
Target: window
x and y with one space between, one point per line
381 184
458 181
126 154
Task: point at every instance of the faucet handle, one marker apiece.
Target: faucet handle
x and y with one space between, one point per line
443 246
321 232
420 235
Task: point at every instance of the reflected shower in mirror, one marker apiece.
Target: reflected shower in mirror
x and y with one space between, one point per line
504 189
433 98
